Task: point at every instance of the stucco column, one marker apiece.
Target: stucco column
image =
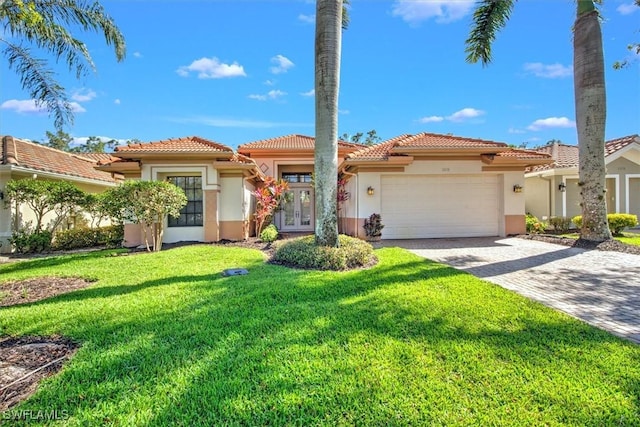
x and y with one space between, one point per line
5 218
211 227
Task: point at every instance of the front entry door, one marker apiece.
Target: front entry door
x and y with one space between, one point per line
297 210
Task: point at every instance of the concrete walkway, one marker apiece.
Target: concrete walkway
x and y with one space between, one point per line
599 287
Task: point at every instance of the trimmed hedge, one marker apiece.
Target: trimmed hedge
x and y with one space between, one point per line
25 241
77 238
269 234
560 224
302 252
617 222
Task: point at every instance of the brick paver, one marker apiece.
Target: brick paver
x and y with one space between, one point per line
599 287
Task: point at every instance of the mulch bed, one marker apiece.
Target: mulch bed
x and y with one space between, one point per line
32 290
25 361
610 245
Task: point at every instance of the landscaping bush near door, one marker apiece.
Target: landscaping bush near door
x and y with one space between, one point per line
304 253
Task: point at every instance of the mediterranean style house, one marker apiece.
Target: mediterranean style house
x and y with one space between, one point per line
552 189
425 185
26 160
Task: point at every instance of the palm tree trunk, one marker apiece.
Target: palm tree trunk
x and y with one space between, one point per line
590 102
328 46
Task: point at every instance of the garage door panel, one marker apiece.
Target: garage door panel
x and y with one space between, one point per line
423 206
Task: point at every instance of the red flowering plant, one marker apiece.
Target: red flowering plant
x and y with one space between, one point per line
343 195
268 198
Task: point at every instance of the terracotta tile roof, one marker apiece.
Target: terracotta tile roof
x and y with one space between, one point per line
291 142
96 157
37 157
614 145
437 141
380 151
522 154
563 155
241 158
566 156
423 141
189 144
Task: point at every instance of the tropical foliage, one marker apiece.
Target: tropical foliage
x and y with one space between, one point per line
47 25
490 17
268 199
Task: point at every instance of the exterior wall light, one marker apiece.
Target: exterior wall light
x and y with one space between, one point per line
1 195
517 188
370 190
562 187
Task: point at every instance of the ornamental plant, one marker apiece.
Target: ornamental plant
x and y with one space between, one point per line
268 199
373 225
147 203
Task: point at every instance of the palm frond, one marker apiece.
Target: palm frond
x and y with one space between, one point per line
489 17
37 78
346 18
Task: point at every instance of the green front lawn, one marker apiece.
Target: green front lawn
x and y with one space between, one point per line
166 340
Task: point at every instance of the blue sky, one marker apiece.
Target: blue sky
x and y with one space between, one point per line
240 71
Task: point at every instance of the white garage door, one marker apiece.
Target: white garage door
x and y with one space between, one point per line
422 206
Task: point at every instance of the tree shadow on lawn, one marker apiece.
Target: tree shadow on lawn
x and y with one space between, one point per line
276 345
56 260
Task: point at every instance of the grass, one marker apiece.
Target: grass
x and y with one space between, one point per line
628 238
166 340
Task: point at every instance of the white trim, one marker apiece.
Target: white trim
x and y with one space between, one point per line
627 192
208 173
621 152
564 196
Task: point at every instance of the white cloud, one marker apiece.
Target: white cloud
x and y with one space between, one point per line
83 95
444 11
116 101
307 19
550 123
344 111
431 119
225 122
30 106
212 68
283 64
309 93
269 82
272 94
548 71
464 114
137 54
627 8
516 131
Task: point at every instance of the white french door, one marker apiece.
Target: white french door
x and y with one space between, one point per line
297 210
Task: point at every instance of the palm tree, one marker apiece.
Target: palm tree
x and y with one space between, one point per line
590 99
328 43
44 24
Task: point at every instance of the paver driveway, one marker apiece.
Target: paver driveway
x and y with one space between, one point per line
602 288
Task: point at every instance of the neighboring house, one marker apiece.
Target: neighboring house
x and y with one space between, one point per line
291 159
217 181
430 185
553 190
27 160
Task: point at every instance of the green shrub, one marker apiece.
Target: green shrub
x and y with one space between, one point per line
560 224
76 238
617 222
25 241
534 225
269 234
303 253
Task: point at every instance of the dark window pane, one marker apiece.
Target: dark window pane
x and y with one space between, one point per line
191 214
